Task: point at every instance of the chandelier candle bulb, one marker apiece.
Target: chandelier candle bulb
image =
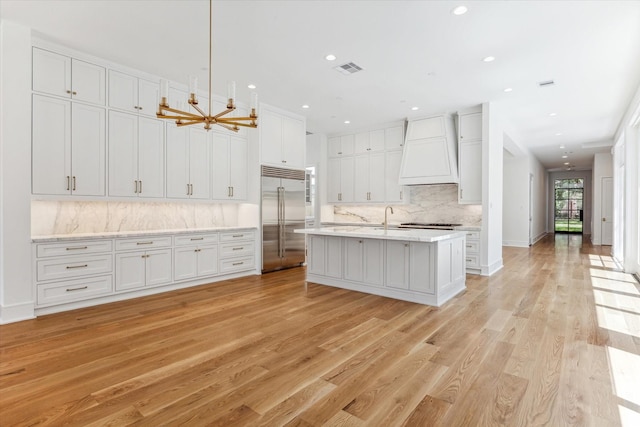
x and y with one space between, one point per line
193 89
254 104
164 93
231 93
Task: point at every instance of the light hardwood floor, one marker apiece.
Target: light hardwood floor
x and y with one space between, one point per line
552 339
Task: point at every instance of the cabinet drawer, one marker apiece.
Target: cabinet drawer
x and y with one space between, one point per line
237 235
196 239
44 250
472 261
63 268
236 264
74 290
229 250
472 246
475 235
143 243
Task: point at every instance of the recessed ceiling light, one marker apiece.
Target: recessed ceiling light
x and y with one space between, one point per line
561 147
508 89
330 57
488 58
251 86
346 122
558 133
565 156
305 106
567 163
415 108
553 114
460 10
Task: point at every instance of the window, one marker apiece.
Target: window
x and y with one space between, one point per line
568 212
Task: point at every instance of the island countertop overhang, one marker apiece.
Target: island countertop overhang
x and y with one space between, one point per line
404 234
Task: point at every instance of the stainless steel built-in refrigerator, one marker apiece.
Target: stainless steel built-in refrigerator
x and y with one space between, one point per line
283 210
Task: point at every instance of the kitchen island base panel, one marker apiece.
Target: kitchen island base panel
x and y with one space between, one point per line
451 290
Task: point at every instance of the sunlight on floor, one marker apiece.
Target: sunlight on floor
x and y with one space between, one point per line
625 370
613 275
602 261
614 285
617 301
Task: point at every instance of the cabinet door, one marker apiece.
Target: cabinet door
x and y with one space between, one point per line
394 138
397 264
362 143
88 82
376 140
130 270
333 180
347 145
334 147
393 191
177 173
361 178
123 154
238 168
220 186
151 157
470 126
158 267
199 164
353 259
347 178
333 266
148 97
421 268
376 177
186 263
207 261
271 138
123 91
470 188
88 156
373 262
316 252
293 143
51 73
51 146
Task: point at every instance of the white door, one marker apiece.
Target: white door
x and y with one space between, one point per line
271 138
123 154
361 178
199 164
376 177
123 91
88 145
51 146
186 263
315 261
347 178
51 73
293 143
606 222
422 268
158 267
397 267
177 173
130 270
353 259
150 157
393 191
148 97
207 260
220 167
89 82
238 169
373 262
333 178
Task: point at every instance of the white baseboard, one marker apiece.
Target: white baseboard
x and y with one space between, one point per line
17 313
489 270
538 237
515 243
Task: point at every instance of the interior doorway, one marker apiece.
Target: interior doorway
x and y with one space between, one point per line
568 210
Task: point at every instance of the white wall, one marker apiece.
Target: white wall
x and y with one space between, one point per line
539 197
515 204
16 289
602 167
491 235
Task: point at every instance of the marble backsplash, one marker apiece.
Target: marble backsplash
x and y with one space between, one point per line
428 203
69 217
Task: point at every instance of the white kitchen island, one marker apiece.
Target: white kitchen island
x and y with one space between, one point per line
422 266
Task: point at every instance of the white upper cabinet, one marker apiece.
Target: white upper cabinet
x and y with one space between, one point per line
394 138
136 156
229 171
341 173
366 142
282 139
188 163
430 152
369 180
341 146
470 158
61 75
68 148
133 94
393 192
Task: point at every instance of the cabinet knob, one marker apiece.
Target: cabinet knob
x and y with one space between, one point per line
74 93
68 91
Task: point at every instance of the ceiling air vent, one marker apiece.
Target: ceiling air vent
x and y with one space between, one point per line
546 83
348 68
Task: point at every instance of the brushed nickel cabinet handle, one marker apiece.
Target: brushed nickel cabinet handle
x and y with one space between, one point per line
76 289
188 189
238 263
145 243
74 184
140 186
68 183
237 249
197 238
69 267
231 191
76 248
237 235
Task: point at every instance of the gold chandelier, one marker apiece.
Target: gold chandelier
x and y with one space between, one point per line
185 118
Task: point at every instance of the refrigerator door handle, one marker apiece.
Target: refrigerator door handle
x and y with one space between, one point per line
282 223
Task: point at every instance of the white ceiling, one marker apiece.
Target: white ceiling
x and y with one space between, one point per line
414 53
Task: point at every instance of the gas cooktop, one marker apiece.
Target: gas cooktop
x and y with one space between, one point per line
429 225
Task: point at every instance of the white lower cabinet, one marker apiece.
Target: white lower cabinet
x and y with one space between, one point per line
409 265
145 268
364 260
196 256
237 252
472 249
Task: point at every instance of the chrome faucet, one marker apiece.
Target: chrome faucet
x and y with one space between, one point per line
386 222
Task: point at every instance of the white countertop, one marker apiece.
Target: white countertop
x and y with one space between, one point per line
395 226
367 232
134 233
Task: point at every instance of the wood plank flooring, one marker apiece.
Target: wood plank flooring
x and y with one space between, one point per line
553 339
